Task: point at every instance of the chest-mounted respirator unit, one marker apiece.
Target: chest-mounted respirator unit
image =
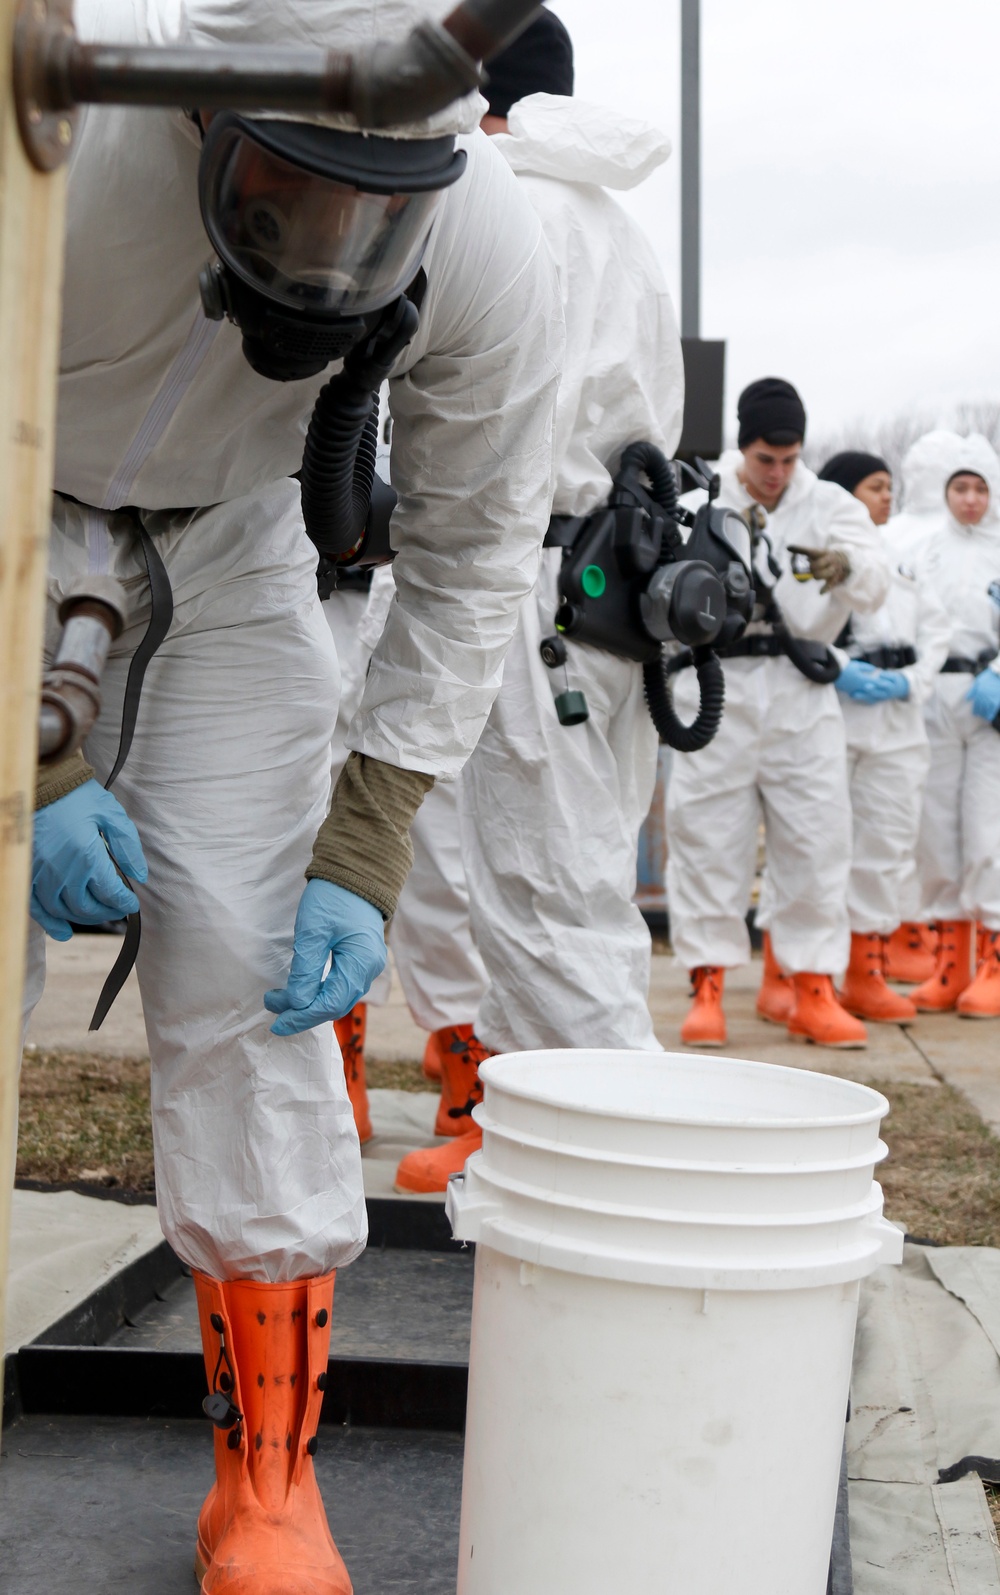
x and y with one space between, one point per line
631 583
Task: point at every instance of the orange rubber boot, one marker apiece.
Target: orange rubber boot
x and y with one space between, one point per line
910 953
459 1056
818 1016
351 1040
865 993
981 1000
776 997
705 1025
263 1528
952 969
430 1169
432 1053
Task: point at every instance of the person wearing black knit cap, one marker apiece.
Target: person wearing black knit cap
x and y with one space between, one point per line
779 753
552 899
890 660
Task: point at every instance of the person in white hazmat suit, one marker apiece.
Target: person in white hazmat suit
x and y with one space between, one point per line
924 474
227 783
779 753
430 934
958 853
889 663
551 812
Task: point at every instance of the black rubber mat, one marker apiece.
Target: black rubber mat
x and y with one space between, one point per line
98 1506
408 1304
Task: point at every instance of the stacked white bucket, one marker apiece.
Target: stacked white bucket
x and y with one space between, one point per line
667 1272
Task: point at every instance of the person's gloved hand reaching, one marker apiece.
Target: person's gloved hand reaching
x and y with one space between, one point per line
331 921
73 878
866 684
984 695
830 566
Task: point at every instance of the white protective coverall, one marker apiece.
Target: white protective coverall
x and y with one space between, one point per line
257 1161
887 749
551 813
924 475
430 934
779 755
959 849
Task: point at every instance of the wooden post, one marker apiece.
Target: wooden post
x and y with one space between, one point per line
32 212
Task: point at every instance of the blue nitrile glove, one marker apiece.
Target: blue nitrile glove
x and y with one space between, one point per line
72 876
330 921
887 684
855 679
984 695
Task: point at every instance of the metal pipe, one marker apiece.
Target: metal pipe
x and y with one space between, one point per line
92 618
387 83
691 168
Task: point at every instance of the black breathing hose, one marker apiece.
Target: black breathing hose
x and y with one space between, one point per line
655 675
338 463
660 701
338 466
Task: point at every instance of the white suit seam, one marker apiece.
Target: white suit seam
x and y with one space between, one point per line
160 413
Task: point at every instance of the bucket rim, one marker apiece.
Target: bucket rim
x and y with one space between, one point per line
678 1218
871 1157
876 1112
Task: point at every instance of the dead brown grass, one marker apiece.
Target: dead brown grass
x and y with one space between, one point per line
86 1119
942 1176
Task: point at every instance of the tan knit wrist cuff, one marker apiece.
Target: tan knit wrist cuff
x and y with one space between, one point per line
364 842
56 780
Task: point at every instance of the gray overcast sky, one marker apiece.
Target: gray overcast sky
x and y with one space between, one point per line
851 198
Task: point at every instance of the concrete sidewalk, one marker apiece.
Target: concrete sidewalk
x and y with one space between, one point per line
964 1053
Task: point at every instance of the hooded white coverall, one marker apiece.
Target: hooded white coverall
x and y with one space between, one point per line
551 813
779 754
257 1161
924 475
959 848
887 749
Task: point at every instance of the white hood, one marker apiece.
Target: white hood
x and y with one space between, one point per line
575 141
926 469
337 24
977 454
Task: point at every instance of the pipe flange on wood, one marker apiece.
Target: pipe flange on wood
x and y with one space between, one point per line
43 39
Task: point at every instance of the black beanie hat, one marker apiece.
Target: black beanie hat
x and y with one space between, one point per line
540 61
772 411
851 467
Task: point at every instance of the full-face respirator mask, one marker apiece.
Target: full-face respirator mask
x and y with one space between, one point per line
319 236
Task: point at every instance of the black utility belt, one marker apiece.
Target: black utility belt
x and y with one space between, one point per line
959 665
762 645
888 658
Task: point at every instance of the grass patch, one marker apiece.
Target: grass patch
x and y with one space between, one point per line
398 1077
85 1118
942 1176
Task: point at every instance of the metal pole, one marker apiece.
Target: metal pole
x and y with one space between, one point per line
691 168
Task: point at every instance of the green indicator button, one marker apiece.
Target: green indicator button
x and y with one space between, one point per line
593 581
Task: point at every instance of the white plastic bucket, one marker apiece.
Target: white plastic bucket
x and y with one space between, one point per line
667 1269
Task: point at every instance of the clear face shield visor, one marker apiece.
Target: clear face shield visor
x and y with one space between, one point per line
322 222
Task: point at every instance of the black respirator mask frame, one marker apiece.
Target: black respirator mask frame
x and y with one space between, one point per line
314 189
